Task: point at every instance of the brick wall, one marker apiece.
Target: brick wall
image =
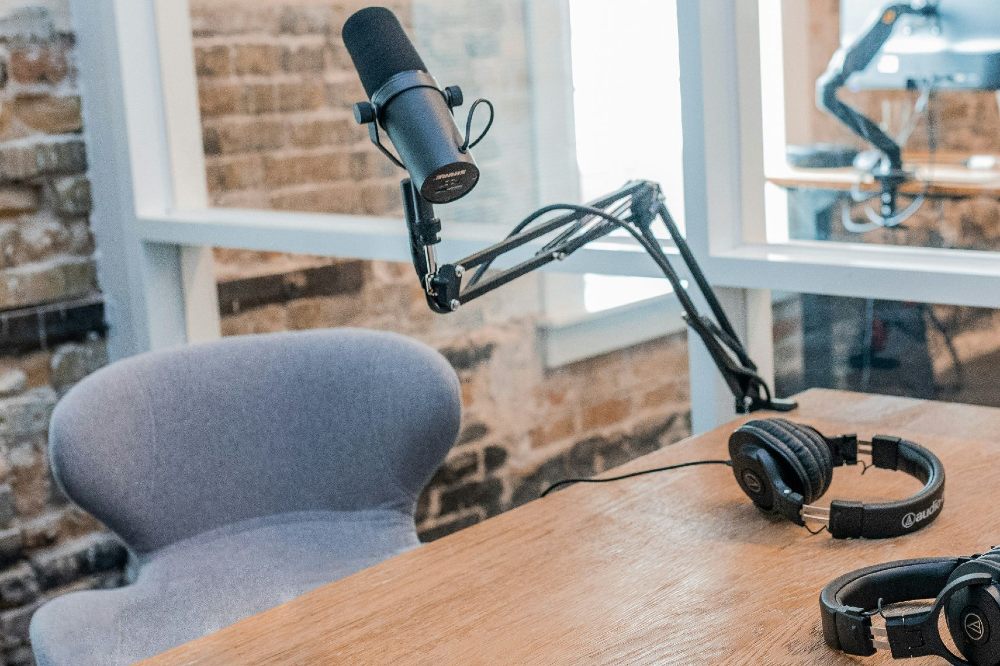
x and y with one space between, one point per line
524 426
51 317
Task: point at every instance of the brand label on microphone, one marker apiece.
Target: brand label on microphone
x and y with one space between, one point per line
450 174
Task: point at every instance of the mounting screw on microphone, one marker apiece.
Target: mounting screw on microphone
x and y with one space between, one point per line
365 113
453 96
459 270
454 304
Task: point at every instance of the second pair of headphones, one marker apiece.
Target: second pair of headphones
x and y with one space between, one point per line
784 467
965 589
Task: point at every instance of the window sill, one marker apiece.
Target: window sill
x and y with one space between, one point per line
577 337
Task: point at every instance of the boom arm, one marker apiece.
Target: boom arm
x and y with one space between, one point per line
854 58
633 208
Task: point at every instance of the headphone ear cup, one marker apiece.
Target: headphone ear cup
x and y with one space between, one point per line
973 618
814 439
804 449
973 614
799 468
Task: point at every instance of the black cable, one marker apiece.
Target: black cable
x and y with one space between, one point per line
466 145
693 463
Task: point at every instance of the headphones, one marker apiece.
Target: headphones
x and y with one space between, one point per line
966 589
784 467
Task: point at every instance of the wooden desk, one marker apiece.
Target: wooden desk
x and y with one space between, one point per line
674 568
948 177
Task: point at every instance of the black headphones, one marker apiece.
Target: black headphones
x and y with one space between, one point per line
784 467
967 589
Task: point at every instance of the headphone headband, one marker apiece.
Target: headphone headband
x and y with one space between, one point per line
964 589
847 603
848 519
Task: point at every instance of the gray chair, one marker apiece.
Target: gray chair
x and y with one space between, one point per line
241 474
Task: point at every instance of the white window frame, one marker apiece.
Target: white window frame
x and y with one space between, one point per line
155 229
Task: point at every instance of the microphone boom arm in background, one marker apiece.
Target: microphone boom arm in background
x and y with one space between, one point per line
849 60
634 208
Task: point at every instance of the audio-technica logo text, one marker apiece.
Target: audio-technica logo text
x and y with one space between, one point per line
974 627
912 518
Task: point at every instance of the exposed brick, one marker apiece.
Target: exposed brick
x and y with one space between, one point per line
12 382
86 555
25 160
19 655
472 432
236 173
532 485
338 198
74 361
554 430
485 494
494 457
314 133
234 18
26 415
18 586
14 625
39 64
339 278
7 507
260 59
423 509
458 467
228 99
17 200
70 196
655 433
27 24
303 59
244 136
48 113
301 20
468 356
212 61
56 524
450 527
305 168
605 413
11 544
305 96
45 282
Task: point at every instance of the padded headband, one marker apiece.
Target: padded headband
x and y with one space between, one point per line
880 520
847 602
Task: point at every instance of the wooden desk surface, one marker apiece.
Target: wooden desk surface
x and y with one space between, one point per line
672 568
946 178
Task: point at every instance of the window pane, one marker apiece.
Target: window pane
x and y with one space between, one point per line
586 98
888 347
920 89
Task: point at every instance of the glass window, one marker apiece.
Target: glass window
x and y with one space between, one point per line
929 89
888 347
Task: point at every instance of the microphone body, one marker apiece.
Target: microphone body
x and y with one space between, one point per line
410 106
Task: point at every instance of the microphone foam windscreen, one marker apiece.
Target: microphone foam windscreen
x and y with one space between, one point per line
379 47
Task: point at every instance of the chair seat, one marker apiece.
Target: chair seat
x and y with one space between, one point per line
204 583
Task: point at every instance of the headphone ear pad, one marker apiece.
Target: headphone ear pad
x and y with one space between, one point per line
797 452
816 443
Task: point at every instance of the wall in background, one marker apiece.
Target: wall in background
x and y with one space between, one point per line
51 317
276 87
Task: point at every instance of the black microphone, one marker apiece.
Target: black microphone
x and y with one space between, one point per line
409 105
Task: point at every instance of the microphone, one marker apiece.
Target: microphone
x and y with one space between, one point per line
408 104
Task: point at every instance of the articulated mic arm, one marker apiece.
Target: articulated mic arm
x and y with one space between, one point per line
633 208
855 58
